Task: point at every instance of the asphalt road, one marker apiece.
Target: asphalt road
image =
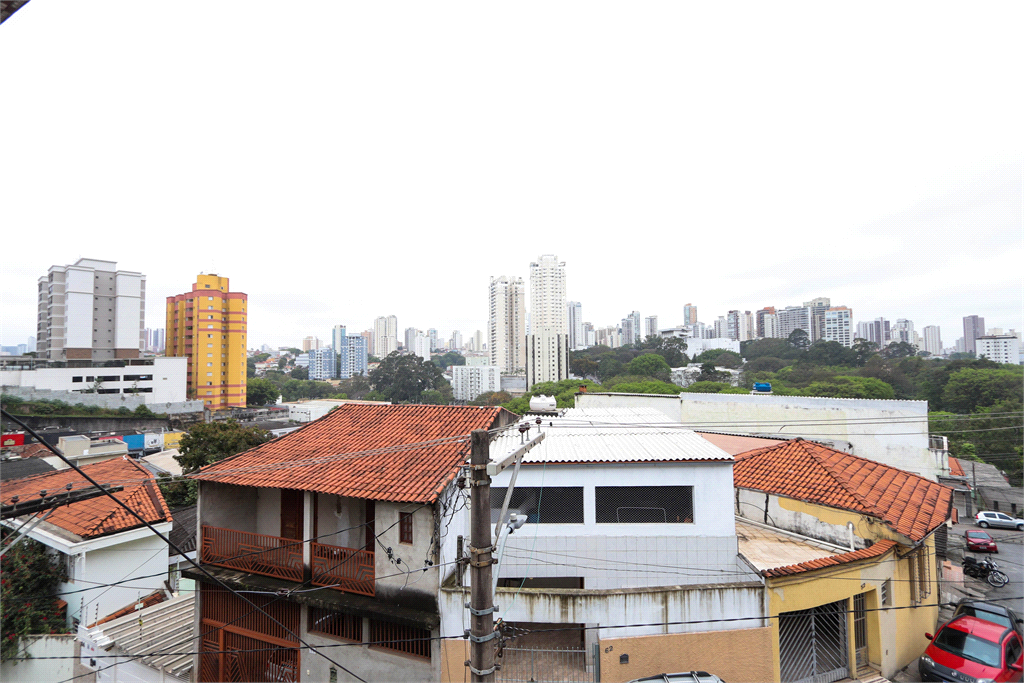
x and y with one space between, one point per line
1010 559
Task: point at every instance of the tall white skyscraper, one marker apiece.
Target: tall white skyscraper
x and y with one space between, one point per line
547 295
385 335
575 318
547 357
420 346
90 311
478 341
506 323
933 340
456 341
839 325
650 326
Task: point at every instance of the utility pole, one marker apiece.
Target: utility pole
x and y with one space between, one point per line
481 605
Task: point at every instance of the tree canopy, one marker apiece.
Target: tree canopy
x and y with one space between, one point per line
404 379
261 392
209 442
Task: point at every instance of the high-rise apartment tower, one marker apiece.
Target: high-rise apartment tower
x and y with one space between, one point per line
506 323
547 295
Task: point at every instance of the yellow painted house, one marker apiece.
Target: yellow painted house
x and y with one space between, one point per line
846 546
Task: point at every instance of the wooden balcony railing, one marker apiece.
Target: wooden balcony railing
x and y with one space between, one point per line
344 569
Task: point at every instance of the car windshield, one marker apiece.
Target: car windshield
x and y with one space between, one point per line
977 534
993 617
967 646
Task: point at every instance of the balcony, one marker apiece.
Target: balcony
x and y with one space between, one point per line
343 569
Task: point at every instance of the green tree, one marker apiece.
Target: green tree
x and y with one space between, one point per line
830 353
864 349
143 411
433 398
261 392
492 398
850 387
28 575
713 388
765 364
402 379
445 359
899 350
178 493
708 373
650 365
798 339
584 367
300 373
608 367
209 442
971 388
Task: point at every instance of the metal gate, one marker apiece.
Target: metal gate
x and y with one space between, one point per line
813 646
860 629
537 665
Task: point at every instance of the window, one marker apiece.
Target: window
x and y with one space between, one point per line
108 391
76 379
405 527
138 378
400 638
1013 648
336 624
644 504
548 505
885 592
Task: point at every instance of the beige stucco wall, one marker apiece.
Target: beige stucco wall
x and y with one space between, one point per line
454 654
737 656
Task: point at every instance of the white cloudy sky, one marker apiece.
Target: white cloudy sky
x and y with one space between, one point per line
340 160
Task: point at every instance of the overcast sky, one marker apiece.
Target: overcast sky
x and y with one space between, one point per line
340 161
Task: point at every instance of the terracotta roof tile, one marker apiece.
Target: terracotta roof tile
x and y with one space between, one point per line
879 548
97 516
330 454
954 467
910 504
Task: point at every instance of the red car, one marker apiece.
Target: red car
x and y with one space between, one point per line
980 649
980 541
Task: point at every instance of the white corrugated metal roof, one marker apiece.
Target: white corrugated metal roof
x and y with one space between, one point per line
610 435
163 628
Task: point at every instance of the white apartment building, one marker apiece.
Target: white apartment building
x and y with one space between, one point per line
90 311
933 340
506 323
574 313
385 335
902 331
421 346
839 325
771 325
696 346
1003 348
547 357
794 318
456 341
650 326
469 381
547 295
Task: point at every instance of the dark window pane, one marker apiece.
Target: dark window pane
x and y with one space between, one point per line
644 504
550 505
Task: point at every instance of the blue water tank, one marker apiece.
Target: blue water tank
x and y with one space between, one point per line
762 386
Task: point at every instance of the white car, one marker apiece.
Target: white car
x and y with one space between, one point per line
998 519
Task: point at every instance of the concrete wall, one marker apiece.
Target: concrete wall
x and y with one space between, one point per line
168 384
740 656
903 445
405 581
629 555
38 669
111 401
84 425
229 507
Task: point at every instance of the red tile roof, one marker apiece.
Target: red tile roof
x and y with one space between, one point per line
803 470
97 516
876 550
954 467
330 455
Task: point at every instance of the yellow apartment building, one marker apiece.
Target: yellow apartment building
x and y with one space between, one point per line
208 325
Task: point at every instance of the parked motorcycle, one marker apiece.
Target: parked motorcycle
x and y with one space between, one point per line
985 570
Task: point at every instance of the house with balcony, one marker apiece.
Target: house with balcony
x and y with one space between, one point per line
111 557
847 548
627 563
338 529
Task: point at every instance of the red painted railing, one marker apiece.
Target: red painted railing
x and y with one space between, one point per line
253 553
346 569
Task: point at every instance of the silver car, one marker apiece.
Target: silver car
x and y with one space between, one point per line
998 519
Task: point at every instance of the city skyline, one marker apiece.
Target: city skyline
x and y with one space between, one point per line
740 216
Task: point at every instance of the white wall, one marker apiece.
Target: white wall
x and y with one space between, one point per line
168 383
606 555
96 568
751 505
78 319
39 669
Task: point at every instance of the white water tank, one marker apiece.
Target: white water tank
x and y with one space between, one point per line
543 404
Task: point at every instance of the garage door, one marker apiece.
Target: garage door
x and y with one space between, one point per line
813 644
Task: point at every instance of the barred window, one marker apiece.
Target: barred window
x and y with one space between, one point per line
644 504
405 527
409 640
336 624
547 505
